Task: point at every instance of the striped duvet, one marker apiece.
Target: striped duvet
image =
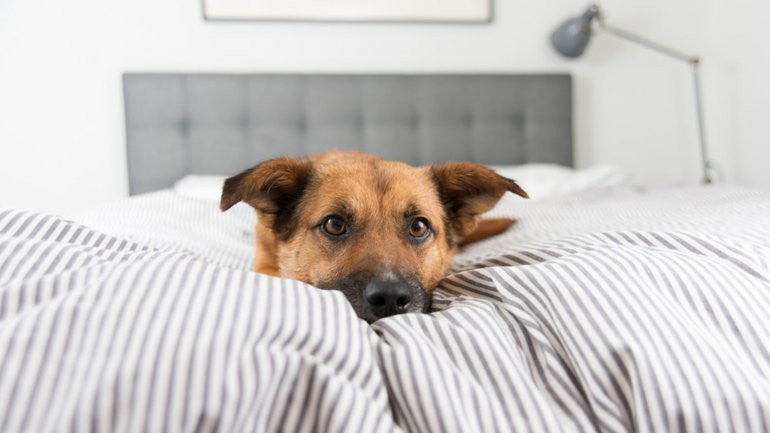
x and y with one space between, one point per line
608 312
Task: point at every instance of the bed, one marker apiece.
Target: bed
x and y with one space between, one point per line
608 307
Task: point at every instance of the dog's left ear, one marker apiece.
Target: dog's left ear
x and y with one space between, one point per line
272 187
467 190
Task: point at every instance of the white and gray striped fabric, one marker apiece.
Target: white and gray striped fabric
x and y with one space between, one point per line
620 312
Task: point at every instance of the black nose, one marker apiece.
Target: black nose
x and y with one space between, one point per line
387 295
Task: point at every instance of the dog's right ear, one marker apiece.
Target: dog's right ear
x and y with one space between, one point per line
272 187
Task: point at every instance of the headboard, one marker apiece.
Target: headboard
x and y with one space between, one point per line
178 124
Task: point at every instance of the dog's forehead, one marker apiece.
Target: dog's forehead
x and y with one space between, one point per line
373 186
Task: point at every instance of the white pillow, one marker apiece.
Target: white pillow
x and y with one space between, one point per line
539 180
204 187
550 180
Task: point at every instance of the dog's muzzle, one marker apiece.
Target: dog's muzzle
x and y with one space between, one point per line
387 295
379 295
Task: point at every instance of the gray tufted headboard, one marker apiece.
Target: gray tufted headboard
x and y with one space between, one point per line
178 124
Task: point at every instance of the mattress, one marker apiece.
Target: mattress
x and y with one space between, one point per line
611 310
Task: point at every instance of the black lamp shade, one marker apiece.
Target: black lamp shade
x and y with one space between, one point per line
571 38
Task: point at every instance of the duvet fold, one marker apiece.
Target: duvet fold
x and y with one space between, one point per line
621 313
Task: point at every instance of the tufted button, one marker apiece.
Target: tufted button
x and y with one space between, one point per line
412 121
184 125
300 123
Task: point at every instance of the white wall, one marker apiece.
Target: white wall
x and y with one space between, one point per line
61 116
739 67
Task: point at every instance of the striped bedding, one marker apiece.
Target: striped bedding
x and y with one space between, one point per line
609 311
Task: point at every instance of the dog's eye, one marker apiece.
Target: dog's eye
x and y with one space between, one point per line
419 228
334 226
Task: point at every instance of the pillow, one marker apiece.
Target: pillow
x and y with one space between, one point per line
550 180
200 186
539 180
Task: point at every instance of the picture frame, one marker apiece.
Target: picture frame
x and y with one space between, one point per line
432 11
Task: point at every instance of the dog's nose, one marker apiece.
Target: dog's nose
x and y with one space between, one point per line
387 295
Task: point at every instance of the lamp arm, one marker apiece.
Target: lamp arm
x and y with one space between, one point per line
652 45
694 62
708 168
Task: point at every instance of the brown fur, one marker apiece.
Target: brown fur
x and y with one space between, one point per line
487 228
378 199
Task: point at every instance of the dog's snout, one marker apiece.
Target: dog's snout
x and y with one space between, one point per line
388 295
374 295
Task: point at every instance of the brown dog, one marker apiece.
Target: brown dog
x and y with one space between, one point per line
382 232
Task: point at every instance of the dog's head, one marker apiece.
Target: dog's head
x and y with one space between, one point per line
382 232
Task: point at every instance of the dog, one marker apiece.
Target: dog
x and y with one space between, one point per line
381 232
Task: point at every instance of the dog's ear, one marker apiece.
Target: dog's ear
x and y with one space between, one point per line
467 190
272 187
